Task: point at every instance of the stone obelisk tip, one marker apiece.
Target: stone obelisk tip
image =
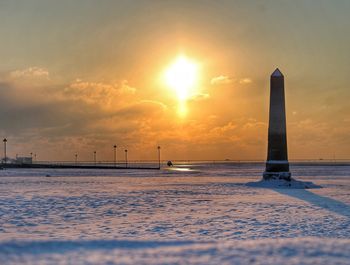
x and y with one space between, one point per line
276 73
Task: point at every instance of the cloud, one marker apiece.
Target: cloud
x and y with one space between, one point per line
221 80
140 110
107 95
245 81
200 96
154 102
126 89
20 115
79 114
224 80
31 72
46 126
84 114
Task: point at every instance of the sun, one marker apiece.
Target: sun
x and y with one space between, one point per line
182 77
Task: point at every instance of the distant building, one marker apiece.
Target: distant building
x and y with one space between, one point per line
24 160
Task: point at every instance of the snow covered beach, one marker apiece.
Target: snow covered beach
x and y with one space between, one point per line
200 214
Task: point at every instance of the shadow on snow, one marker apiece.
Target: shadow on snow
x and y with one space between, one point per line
326 203
52 246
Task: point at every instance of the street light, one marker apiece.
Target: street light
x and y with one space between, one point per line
76 159
158 156
115 155
126 158
5 141
95 157
34 157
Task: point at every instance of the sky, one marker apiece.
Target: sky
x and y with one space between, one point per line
78 76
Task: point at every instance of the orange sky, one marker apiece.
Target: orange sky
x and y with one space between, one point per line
83 76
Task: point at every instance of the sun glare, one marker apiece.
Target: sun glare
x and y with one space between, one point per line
182 77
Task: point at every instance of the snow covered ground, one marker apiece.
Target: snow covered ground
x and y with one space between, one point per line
196 214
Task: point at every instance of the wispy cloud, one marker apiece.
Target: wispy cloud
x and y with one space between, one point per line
220 80
224 80
200 96
245 81
31 72
100 93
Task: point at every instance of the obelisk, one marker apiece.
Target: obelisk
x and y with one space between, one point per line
277 165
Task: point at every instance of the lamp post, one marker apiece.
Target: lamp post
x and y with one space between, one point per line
158 156
95 157
126 158
115 155
76 158
34 157
31 156
5 158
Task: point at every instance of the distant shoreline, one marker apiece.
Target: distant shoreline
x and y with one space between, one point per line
153 165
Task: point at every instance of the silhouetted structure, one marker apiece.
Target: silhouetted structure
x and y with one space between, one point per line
277 165
5 154
126 157
24 160
115 155
158 156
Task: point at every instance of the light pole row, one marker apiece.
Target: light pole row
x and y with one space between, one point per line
115 156
114 160
76 155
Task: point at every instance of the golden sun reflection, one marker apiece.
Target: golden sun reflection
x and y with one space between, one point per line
182 109
182 77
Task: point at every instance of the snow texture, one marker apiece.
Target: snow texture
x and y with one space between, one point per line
191 214
283 184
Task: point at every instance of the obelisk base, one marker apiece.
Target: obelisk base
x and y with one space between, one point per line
287 176
277 169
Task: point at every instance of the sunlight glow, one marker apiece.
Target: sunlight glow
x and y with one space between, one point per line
182 109
182 77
